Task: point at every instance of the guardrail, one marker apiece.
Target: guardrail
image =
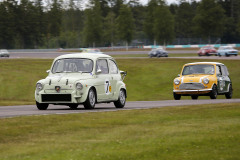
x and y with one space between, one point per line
193 46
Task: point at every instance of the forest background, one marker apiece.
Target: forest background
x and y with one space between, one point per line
103 23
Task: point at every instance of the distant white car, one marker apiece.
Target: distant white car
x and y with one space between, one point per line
91 50
227 51
4 53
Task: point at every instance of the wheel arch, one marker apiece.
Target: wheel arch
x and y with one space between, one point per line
95 90
230 84
125 91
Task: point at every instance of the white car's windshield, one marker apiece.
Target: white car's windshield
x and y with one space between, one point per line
198 69
73 65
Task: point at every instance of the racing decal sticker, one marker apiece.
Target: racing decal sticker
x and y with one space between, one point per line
108 87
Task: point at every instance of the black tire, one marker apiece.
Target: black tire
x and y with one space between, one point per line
207 54
42 106
229 94
226 55
213 93
176 96
120 103
73 106
91 100
194 96
219 54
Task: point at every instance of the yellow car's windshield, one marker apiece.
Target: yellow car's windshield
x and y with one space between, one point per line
198 69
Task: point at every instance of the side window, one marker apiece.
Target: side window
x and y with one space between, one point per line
225 71
219 71
102 65
113 67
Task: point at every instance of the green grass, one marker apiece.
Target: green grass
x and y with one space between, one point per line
147 79
171 133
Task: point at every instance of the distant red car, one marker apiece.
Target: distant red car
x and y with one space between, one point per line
207 51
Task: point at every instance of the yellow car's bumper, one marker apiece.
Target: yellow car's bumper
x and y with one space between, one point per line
202 91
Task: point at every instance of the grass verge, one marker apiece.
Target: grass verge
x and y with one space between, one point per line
172 133
147 79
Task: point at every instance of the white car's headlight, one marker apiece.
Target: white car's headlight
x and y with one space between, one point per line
79 86
205 80
39 86
176 81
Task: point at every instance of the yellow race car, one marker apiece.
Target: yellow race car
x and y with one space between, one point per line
203 79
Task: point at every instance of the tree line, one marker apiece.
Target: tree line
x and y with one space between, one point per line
70 24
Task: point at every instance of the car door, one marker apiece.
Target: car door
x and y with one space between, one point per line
225 76
115 77
220 78
102 80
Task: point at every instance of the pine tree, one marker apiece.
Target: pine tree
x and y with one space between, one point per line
163 24
125 24
110 28
93 24
209 19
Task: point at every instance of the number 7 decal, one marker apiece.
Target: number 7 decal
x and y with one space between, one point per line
107 88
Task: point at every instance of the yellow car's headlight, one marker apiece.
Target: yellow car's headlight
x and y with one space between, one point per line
176 81
205 80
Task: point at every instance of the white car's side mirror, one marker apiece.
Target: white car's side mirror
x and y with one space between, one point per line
99 71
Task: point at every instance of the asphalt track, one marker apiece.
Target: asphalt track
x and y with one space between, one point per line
30 110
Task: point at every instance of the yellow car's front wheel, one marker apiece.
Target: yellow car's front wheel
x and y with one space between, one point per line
213 93
176 96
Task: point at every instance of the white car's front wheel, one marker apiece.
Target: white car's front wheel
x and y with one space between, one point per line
91 100
42 106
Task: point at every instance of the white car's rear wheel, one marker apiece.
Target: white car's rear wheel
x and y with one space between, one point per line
120 103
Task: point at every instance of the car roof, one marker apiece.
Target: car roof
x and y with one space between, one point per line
92 56
204 63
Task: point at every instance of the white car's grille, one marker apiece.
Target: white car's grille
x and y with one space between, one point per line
56 97
190 86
